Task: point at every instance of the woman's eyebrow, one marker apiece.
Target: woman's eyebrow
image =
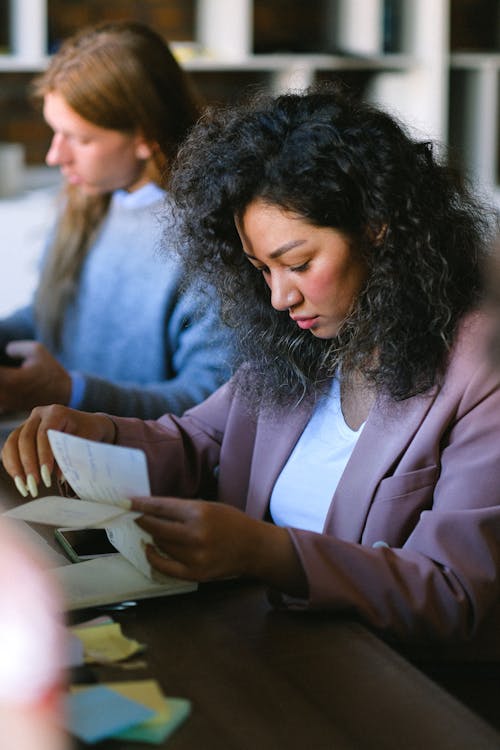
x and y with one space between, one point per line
279 250
285 248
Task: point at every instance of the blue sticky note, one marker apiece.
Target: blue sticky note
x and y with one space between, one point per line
157 732
98 712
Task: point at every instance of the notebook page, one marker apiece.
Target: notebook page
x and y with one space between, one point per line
98 471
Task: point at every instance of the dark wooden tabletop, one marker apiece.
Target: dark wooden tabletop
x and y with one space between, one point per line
265 679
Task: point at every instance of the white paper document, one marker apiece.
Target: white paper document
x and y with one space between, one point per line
105 477
107 580
67 511
100 472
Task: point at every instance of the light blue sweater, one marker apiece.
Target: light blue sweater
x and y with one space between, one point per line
135 343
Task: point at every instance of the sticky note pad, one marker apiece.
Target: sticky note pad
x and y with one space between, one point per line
169 713
157 729
98 712
106 643
148 692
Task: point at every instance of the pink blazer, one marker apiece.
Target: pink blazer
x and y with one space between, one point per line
411 542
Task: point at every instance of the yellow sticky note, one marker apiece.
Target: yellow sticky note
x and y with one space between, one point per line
170 712
106 643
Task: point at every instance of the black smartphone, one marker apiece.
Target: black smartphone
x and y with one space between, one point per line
84 544
6 361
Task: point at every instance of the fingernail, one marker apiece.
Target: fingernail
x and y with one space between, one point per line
46 478
21 487
32 485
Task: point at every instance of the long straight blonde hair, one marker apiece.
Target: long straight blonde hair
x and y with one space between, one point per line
122 76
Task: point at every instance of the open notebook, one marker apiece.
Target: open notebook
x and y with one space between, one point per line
104 477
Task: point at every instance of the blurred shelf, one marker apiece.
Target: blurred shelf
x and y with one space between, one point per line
396 53
18 63
282 61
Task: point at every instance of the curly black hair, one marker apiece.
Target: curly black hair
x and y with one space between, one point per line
342 163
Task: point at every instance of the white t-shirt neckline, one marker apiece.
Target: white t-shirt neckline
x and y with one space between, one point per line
303 491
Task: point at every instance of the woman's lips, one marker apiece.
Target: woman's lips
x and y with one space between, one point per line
305 323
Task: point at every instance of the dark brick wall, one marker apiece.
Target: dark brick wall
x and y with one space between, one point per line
279 25
475 25
172 18
20 119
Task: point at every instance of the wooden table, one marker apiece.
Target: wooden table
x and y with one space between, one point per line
265 679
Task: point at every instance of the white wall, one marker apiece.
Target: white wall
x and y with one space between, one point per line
24 223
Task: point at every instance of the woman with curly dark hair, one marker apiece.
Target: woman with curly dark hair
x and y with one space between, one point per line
353 462
344 165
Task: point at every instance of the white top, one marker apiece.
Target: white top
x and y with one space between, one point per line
303 491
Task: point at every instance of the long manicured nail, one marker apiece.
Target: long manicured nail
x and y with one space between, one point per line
46 478
21 487
32 485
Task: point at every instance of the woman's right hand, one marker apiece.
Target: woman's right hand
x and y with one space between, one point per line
27 455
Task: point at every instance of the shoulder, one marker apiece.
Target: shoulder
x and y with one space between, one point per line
147 195
470 370
149 203
471 344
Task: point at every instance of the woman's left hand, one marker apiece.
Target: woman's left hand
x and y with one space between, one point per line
205 540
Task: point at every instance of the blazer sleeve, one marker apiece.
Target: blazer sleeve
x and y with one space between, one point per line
183 453
443 580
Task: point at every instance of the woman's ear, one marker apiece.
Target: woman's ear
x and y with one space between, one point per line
377 236
144 149
381 234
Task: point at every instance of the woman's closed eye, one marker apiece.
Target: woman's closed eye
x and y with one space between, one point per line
300 269
296 269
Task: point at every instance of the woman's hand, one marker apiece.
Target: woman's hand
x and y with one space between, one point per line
27 455
202 540
39 379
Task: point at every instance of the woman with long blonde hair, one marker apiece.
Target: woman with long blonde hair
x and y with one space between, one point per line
112 325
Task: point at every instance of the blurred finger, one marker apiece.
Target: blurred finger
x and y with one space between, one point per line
21 349
20 457
169 566
163 532
27 445
12 460
168 508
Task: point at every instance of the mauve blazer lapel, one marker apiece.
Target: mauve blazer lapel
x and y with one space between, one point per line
387 433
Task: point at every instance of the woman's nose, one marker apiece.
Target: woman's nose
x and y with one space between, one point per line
284 294
58 151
